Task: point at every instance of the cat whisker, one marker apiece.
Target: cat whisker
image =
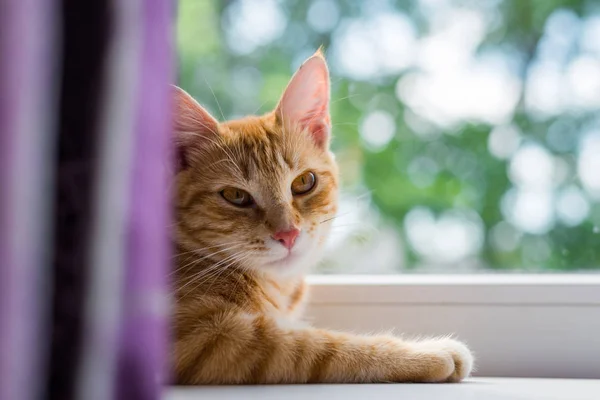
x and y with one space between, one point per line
335 81
216 271
261 106
199 250
215 97
205 257
345 123
210 129
357 199
344 98
206 248
365 194
335 216
211 255
205 272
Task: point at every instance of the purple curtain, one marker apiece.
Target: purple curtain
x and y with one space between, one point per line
84 155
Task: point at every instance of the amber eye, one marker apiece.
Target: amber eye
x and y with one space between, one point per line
304 183
237 197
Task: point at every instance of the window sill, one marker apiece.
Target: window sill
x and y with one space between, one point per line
517 325
477 388
456 289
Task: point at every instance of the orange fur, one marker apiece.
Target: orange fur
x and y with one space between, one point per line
238 296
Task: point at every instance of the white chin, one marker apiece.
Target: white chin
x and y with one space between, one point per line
297 263
302 258
293 264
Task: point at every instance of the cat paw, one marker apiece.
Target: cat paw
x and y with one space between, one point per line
444 360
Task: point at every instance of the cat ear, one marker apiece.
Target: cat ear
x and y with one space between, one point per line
305 102
191 116
192 123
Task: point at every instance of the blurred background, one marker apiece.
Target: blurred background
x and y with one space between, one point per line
467 132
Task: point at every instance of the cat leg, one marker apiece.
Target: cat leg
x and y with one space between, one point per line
237 348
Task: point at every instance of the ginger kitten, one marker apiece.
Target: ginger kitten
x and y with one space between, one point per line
254 203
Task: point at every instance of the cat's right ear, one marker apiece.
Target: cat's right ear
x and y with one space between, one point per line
192 125
305 102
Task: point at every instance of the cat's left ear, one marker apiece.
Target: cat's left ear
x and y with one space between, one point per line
193 126
305 102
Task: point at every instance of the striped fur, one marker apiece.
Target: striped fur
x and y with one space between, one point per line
238 298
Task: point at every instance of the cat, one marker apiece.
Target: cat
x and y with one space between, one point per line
254 202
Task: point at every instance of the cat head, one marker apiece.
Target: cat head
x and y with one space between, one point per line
258 192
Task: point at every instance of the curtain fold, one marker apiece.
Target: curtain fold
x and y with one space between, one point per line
85 29
28 72
144 320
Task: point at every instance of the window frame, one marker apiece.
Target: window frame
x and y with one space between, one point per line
518 325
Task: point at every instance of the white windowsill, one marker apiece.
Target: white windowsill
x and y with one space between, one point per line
456 289
517 325
477 388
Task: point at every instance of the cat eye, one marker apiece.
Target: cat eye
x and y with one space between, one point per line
237 197
304 183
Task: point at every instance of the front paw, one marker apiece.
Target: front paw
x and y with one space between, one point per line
444 360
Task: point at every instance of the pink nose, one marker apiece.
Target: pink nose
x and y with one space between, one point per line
287 238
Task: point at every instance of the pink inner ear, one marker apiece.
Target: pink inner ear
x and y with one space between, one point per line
319 129
305 101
